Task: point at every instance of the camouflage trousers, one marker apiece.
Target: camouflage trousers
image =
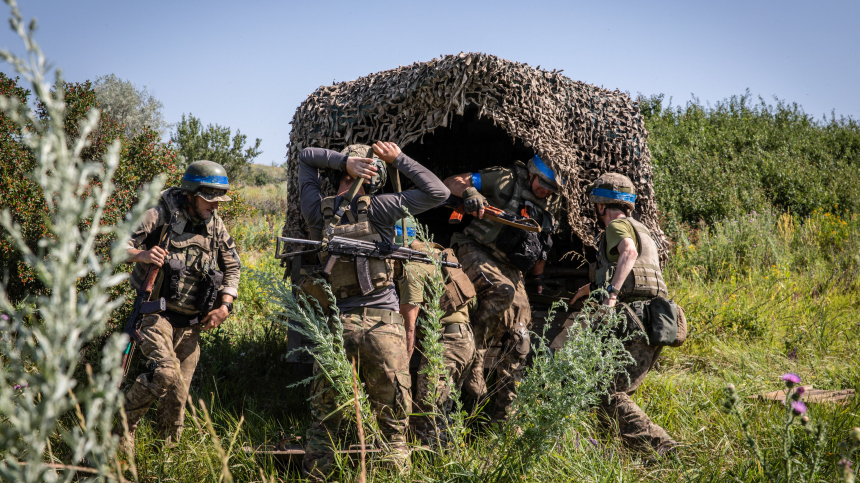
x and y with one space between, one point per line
377 343
618 409
459 343
173 354
503 316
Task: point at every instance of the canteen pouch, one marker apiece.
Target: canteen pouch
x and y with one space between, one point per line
207 292
174 271
663 322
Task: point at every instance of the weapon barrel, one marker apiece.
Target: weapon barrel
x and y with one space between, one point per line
284 239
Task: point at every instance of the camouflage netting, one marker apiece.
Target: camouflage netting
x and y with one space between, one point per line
580 130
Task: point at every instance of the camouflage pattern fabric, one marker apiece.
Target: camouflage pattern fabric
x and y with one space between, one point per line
459 343
580 130
173 354
619 410
503 311
379 350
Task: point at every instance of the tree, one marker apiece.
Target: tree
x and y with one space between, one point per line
213 143
132 107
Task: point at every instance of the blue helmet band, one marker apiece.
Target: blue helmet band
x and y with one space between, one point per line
206 179
544 168
613 195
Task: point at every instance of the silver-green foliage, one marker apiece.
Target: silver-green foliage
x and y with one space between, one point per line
41 342
305 315
560 385
135 108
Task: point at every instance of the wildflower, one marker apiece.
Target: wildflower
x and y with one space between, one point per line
17 386
791 379
798 408
804 420
798 392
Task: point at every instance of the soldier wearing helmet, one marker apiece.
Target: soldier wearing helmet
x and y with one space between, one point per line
199 279
506 256
372 324
628 268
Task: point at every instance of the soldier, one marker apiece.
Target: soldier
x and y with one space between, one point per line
628 267
457 337
505 254
373 328
201 258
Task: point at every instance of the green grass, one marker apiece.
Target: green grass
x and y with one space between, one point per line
751 322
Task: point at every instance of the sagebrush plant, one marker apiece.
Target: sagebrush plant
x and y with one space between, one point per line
41 342
561 385
304 314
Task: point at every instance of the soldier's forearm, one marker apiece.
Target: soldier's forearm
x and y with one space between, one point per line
458 183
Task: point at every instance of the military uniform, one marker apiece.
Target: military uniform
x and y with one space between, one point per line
198 249
373 330
644 282
457 337
503 313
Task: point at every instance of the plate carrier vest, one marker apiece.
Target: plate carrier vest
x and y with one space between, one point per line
645 280
192 253
356 226
486 232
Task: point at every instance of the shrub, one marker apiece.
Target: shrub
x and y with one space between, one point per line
740 156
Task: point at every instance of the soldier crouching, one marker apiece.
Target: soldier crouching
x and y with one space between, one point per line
505 255
628 267
372 327
199 268
457 338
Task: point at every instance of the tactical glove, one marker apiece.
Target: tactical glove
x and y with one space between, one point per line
473 201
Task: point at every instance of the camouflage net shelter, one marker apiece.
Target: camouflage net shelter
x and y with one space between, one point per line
469 111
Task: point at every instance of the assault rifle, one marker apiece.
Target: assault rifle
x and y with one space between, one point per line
490 212
142 304
338 247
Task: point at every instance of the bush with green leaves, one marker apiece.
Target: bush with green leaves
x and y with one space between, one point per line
54 426
739 156
213 142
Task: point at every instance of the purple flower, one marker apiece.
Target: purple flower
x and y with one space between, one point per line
593 441
800 390
791 379
4 317
798 408
17 386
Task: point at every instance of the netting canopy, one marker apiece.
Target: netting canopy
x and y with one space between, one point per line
465 112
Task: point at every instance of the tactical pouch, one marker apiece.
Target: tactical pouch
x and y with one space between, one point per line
207 291
458 289
682 328
523 248
663 321
174 270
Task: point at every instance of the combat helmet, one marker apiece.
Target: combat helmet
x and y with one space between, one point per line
206 179
546 176
613 189
410 231
376 182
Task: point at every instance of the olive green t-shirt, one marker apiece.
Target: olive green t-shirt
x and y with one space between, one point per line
618 230
411 287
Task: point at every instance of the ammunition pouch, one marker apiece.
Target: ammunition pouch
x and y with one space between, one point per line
521 341
174 271
207 290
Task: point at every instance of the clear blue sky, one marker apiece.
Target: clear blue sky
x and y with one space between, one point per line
248 65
